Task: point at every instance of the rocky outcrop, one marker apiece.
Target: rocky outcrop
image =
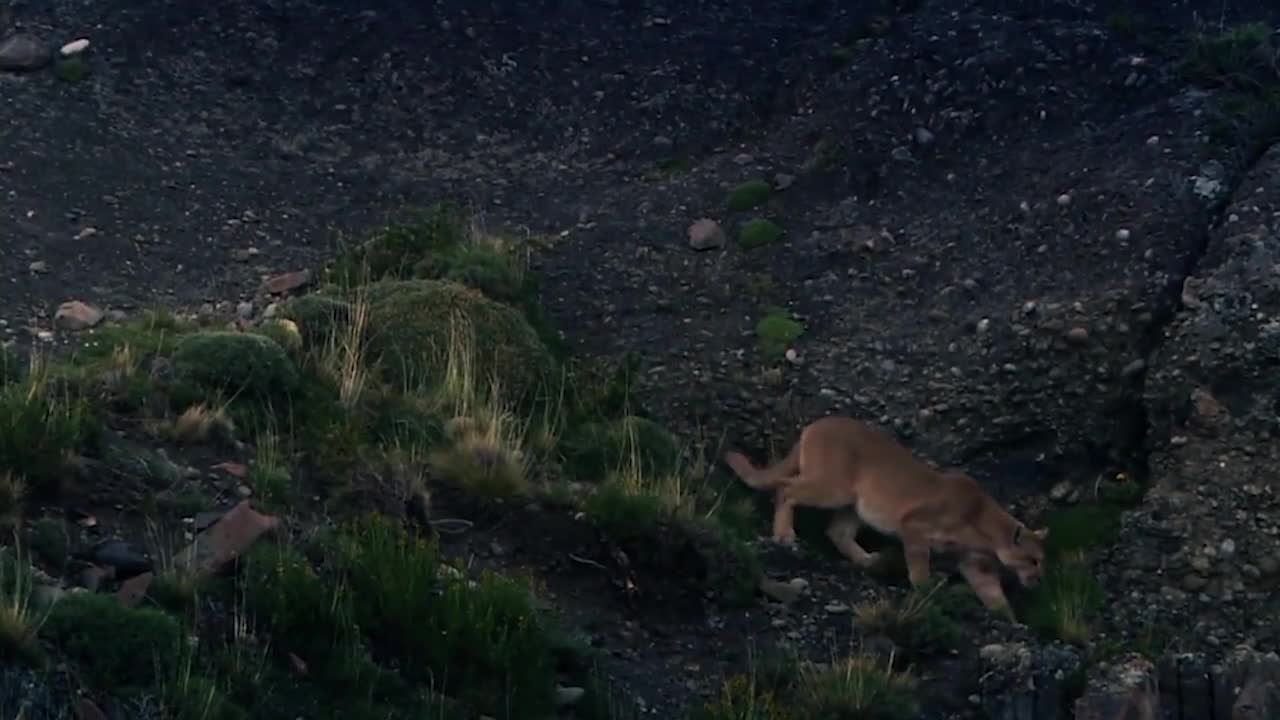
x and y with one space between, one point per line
1203 551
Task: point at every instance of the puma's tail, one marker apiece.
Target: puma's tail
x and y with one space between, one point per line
767 478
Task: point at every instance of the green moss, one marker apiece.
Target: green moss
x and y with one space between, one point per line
757 233
410 328
115 646
235 365
776 331
748 195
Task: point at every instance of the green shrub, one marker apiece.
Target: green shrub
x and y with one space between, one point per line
395 249
594 449
758 233
317 317
235 364
414 325
748 195
776 331
115 646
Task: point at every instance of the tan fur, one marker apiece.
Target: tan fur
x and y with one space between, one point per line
867 477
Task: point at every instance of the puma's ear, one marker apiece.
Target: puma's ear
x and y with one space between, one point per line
1041 534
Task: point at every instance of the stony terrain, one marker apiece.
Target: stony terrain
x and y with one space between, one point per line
1037 240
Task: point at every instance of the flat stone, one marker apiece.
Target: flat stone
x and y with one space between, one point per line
227 539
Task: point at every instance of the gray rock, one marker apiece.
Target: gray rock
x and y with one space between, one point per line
23 53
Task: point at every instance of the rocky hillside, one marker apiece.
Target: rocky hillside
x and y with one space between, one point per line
1035 240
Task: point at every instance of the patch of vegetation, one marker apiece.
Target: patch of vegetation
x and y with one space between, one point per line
594 448
923 623
43 426
12 365
49 542
776 331
1069 596
19 620
13 492
758 232
749 195
1242 62
116 646
355 398
235 364
859 687
1125 21
71 69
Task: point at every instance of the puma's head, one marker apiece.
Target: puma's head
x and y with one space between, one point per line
1024 554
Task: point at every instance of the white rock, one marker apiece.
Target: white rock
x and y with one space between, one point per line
75 47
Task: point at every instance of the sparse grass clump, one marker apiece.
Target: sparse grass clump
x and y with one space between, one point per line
920 623
13 493
859 687
1070 599
43 425
748 195
1243 62
757 233
776 331
19 620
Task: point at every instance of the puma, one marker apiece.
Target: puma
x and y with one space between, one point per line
867 477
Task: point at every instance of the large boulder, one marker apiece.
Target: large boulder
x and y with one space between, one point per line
1203 552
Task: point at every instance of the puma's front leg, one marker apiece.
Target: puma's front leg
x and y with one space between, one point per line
984 577
916 551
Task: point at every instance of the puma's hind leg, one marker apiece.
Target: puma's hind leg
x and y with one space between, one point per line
784 531
805 491
843 533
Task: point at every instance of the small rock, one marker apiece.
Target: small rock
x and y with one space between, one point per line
568 695
23 53
75 47
1061 491
706 234
836 608
782 181
38 267
76 315
1122 234
1064 200
1078 335
785 593
923 136
244 310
